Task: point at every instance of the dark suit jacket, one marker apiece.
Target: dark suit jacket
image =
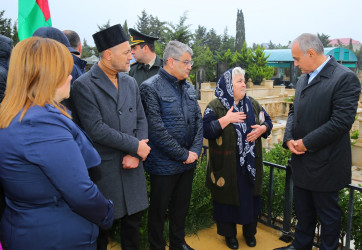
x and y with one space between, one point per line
323 113
115 121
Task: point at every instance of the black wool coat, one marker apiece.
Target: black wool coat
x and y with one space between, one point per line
322 115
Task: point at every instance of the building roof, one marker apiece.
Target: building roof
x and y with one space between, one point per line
344 41
283 57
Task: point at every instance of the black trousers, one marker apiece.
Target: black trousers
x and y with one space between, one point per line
130 237
308 206
228 229
172 192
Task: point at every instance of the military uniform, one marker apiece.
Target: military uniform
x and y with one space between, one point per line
141 71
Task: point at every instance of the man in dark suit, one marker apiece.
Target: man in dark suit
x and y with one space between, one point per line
317 134
107 105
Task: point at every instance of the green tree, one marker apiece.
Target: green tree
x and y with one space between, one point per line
88 51
14 35
203 59
271 45
350 46
200 36
5 25
243 58
158 29
324 39
125 28
240 30
227 43
258 69
181 32
8 29
227 57
213 41
104 26
142 24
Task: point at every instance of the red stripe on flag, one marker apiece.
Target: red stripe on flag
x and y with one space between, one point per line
43 4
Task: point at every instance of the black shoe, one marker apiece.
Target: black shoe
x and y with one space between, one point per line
232 242
250 241
182 247
289 247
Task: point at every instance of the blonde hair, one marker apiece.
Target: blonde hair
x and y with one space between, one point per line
38 66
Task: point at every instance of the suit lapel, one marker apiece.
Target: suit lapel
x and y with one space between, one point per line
102 81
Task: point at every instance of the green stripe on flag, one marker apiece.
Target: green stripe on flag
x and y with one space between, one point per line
30 18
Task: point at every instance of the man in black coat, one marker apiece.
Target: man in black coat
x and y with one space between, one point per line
317 134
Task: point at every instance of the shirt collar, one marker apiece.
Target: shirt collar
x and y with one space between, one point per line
319 69
152 62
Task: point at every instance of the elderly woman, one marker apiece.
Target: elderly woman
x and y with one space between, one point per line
233 124
51 203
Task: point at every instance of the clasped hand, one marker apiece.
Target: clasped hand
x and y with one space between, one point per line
143 149
296 147
191 158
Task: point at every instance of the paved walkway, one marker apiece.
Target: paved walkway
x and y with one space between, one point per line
207 239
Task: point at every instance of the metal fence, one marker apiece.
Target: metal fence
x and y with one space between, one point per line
286 228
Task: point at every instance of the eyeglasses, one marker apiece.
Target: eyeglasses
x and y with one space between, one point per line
185 62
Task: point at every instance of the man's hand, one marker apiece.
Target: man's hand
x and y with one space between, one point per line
143 149
130 162
256 133
299 145
192 157
296 147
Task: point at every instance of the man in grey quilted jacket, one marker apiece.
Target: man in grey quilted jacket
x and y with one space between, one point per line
175 137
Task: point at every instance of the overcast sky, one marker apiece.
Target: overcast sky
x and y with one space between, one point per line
277 20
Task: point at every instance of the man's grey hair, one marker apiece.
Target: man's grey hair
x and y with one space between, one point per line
308 41
175 49
237 71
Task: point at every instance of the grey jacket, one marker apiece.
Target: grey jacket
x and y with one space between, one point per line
323 113
115 121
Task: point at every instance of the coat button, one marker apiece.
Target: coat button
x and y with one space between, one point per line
120 112
130 109
134 131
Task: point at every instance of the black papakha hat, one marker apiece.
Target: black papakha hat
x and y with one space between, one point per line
137 37
109 37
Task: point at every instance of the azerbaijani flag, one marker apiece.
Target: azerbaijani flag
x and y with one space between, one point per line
33 14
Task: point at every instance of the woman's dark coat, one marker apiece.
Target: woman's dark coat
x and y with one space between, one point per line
222 163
